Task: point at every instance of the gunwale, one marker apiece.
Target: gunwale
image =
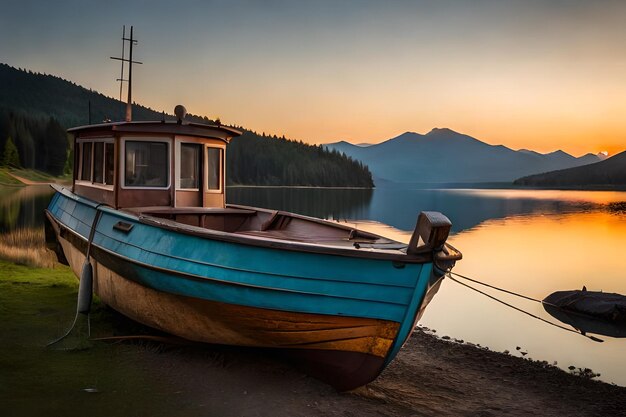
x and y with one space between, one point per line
346 302
394 255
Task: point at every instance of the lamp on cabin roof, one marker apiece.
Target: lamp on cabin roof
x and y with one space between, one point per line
180 111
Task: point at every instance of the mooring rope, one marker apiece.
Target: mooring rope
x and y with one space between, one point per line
595 339
495 288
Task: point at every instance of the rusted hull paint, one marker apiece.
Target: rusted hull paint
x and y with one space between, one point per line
346 352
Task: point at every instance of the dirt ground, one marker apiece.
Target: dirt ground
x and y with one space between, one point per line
136 378
430 377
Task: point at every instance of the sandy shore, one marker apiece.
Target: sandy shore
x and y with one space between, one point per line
430 377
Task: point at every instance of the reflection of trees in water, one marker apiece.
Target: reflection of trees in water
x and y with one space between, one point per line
396 206
617 207
9 214
467 208
23 207
9 207
399 206
316 202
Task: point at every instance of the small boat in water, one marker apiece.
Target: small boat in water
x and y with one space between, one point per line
589 311
146 225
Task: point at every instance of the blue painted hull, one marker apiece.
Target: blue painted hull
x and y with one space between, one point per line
188 266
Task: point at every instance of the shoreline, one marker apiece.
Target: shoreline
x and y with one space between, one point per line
22 181
431 376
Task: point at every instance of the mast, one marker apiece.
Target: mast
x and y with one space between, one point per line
121 79
129 102
131 41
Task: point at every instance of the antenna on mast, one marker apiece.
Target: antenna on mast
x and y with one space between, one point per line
131 41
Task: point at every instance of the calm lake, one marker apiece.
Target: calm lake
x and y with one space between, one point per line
532 242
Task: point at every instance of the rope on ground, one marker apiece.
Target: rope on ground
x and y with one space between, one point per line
595 339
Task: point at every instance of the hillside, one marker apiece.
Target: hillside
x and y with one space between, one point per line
35 110
445 156
254 159
608 173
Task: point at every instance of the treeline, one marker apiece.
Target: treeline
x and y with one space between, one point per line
36 109
44 95
609 174
32 142
269 160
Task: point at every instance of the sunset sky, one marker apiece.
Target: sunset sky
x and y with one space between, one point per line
542 75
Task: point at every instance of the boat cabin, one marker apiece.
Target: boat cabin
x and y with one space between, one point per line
173 173
151 164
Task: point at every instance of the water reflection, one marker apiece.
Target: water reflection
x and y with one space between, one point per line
398 206
587 324
22 207
468 208
537 255
395 206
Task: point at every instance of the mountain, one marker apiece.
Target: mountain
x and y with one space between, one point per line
610 173
35 110
445 156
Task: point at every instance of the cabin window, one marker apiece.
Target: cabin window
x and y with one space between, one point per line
77 161
109 163
190 154
214 165
96 158
98 162
85 173
147 164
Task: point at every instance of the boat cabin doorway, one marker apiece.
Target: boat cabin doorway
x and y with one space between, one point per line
199 173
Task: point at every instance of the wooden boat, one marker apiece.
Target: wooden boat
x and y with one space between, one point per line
148 203
589 311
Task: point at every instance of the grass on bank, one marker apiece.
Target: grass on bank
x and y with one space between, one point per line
38 176
30 174
34 175
37 305
7 179
26 247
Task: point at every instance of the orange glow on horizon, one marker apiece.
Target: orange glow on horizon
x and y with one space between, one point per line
544 77
354 119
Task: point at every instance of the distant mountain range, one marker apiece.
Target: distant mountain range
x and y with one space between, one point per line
445 156
608 173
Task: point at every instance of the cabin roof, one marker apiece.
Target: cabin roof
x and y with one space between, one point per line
192 129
